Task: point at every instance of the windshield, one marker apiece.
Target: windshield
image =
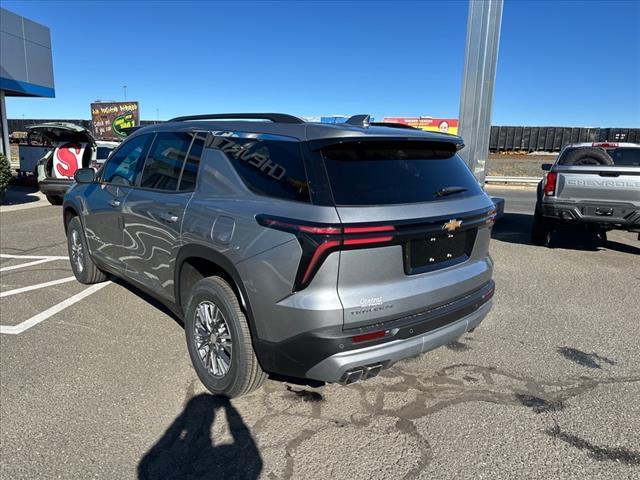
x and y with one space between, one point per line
375 173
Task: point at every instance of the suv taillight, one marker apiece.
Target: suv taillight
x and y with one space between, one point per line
318 241
550 183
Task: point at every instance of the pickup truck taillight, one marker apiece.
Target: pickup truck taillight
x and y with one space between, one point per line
550 183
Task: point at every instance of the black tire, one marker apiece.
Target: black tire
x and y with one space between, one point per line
587 156
55 199
540 230
84 269
244 372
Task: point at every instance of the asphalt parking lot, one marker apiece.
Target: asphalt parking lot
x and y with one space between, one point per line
96 382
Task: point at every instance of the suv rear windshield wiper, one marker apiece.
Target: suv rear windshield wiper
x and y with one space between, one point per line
444 191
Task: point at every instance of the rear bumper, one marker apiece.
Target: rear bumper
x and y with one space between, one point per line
54 186
364 363
620 215
330 354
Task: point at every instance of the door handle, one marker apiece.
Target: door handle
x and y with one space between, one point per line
114 203
168 217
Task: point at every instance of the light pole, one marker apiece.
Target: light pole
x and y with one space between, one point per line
124 87
157 115
481 57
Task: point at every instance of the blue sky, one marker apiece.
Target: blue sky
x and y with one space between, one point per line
571 63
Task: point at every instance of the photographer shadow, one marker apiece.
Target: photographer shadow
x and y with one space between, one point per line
186 449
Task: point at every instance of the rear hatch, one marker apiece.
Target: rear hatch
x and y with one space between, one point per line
416 225
72 147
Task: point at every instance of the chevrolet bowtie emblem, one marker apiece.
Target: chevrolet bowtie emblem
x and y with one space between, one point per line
452 225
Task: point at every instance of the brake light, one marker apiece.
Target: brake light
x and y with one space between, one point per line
317 257
365 337
319 241
372 229
605 144
550 183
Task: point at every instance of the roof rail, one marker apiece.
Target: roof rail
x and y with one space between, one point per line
361 120
274 117
393 125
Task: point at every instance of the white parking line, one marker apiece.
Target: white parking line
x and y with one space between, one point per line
8 293
40 317
28 264
34 257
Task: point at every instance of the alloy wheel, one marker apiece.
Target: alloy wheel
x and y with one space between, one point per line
77 252
212 339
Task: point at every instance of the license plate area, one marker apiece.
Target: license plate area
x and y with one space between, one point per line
437 250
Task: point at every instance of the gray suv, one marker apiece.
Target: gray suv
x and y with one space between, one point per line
300 251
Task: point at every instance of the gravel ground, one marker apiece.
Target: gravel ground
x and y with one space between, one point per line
517 165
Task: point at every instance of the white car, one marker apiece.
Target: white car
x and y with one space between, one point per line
73 147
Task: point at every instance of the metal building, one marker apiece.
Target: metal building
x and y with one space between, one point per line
26 65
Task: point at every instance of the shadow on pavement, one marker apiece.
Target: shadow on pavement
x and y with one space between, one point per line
516 228
20 195
147 298
186 449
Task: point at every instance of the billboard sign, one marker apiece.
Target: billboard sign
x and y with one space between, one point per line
109 118
429 124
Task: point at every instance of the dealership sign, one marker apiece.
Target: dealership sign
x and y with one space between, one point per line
109 119
430 124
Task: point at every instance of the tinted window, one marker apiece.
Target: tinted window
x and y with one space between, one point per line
375 173
190 170
268 167
102 153
625 157
122 166
622 157
164 162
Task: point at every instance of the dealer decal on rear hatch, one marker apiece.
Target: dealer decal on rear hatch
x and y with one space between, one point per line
67 159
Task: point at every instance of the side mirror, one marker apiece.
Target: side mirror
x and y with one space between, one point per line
84 175
547 166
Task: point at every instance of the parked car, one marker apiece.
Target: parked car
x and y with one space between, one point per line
592 186
304 251
17 137
72 147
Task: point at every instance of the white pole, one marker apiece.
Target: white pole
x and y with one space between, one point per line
480 61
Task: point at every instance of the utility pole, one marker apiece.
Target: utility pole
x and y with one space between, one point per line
480 60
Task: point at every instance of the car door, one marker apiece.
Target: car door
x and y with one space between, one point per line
153 211
103 220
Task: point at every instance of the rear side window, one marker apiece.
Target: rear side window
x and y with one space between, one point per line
121 168
386 173
164 163
625 157
268 167
190 170
102 153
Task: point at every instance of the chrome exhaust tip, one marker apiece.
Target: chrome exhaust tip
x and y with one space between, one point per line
352 377
372 371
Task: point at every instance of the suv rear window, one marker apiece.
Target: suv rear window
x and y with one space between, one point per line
274 168
386 173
